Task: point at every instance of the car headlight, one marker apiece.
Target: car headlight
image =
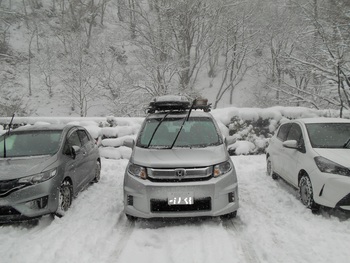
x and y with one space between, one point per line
38 178
328 166
137 171
222 168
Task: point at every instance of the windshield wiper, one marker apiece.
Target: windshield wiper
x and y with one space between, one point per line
155 130
182 125
347 143
7 134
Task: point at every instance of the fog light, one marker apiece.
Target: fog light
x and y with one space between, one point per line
39 203
231 197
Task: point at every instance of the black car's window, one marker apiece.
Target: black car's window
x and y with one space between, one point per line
295 133
328 135
30 143
84 138
196 132
283 131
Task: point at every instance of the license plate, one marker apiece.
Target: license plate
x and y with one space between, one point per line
180 199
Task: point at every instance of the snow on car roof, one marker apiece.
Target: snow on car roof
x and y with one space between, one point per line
323 120
194 113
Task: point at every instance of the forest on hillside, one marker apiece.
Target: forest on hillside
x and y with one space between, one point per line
125 52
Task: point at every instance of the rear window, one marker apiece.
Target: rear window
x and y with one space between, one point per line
196 132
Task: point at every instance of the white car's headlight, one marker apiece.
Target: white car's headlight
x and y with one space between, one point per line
38 178
222 168
328 166
137 171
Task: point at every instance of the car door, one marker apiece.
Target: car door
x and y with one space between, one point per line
276 148
89 160
292 156
75 163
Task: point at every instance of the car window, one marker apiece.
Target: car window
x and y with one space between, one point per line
84 138
196 132
283 131
30 143
295 133
328 135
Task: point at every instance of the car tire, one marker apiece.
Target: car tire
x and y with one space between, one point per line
229 215
131 218
306 193
269 169
97 172
65 198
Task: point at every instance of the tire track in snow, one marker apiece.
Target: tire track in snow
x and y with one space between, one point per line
125 229
235 228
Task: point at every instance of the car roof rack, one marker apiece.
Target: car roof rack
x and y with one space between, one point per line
177 103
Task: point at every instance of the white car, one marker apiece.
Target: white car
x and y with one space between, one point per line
313 155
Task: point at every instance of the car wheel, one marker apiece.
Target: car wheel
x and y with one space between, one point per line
229 215
98 172
131 218
306 193
64 198
269 169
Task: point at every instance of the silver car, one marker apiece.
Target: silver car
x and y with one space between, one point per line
42 168
179 165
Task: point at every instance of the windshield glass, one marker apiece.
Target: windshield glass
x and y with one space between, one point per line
328 135
196 132
30 143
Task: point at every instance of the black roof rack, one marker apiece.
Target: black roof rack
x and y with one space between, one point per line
177 103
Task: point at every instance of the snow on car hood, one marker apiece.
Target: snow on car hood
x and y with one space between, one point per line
179 157
12 168
340 156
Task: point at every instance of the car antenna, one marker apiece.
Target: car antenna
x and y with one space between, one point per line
7 134
183 123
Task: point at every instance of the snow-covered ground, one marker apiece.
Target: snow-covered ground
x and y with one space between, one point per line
271 226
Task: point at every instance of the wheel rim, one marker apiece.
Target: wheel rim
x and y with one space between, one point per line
306 192
268 167
65 197
98 172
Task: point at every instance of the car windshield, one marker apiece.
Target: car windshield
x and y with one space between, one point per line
328 135
30 143
196 132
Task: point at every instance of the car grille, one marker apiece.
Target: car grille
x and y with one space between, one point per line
180 174
203 204
9 186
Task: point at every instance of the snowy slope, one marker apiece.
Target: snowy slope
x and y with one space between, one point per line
272 226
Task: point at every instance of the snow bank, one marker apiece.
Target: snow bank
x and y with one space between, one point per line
246 130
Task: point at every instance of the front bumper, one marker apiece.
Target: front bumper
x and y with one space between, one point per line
29 202
331 190
146 199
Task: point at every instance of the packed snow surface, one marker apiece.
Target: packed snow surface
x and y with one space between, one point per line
271 226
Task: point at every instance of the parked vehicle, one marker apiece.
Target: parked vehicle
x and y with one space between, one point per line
179 165
42 168
313 155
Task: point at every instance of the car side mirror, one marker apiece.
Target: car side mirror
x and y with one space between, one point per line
292 144
130 143
74 151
